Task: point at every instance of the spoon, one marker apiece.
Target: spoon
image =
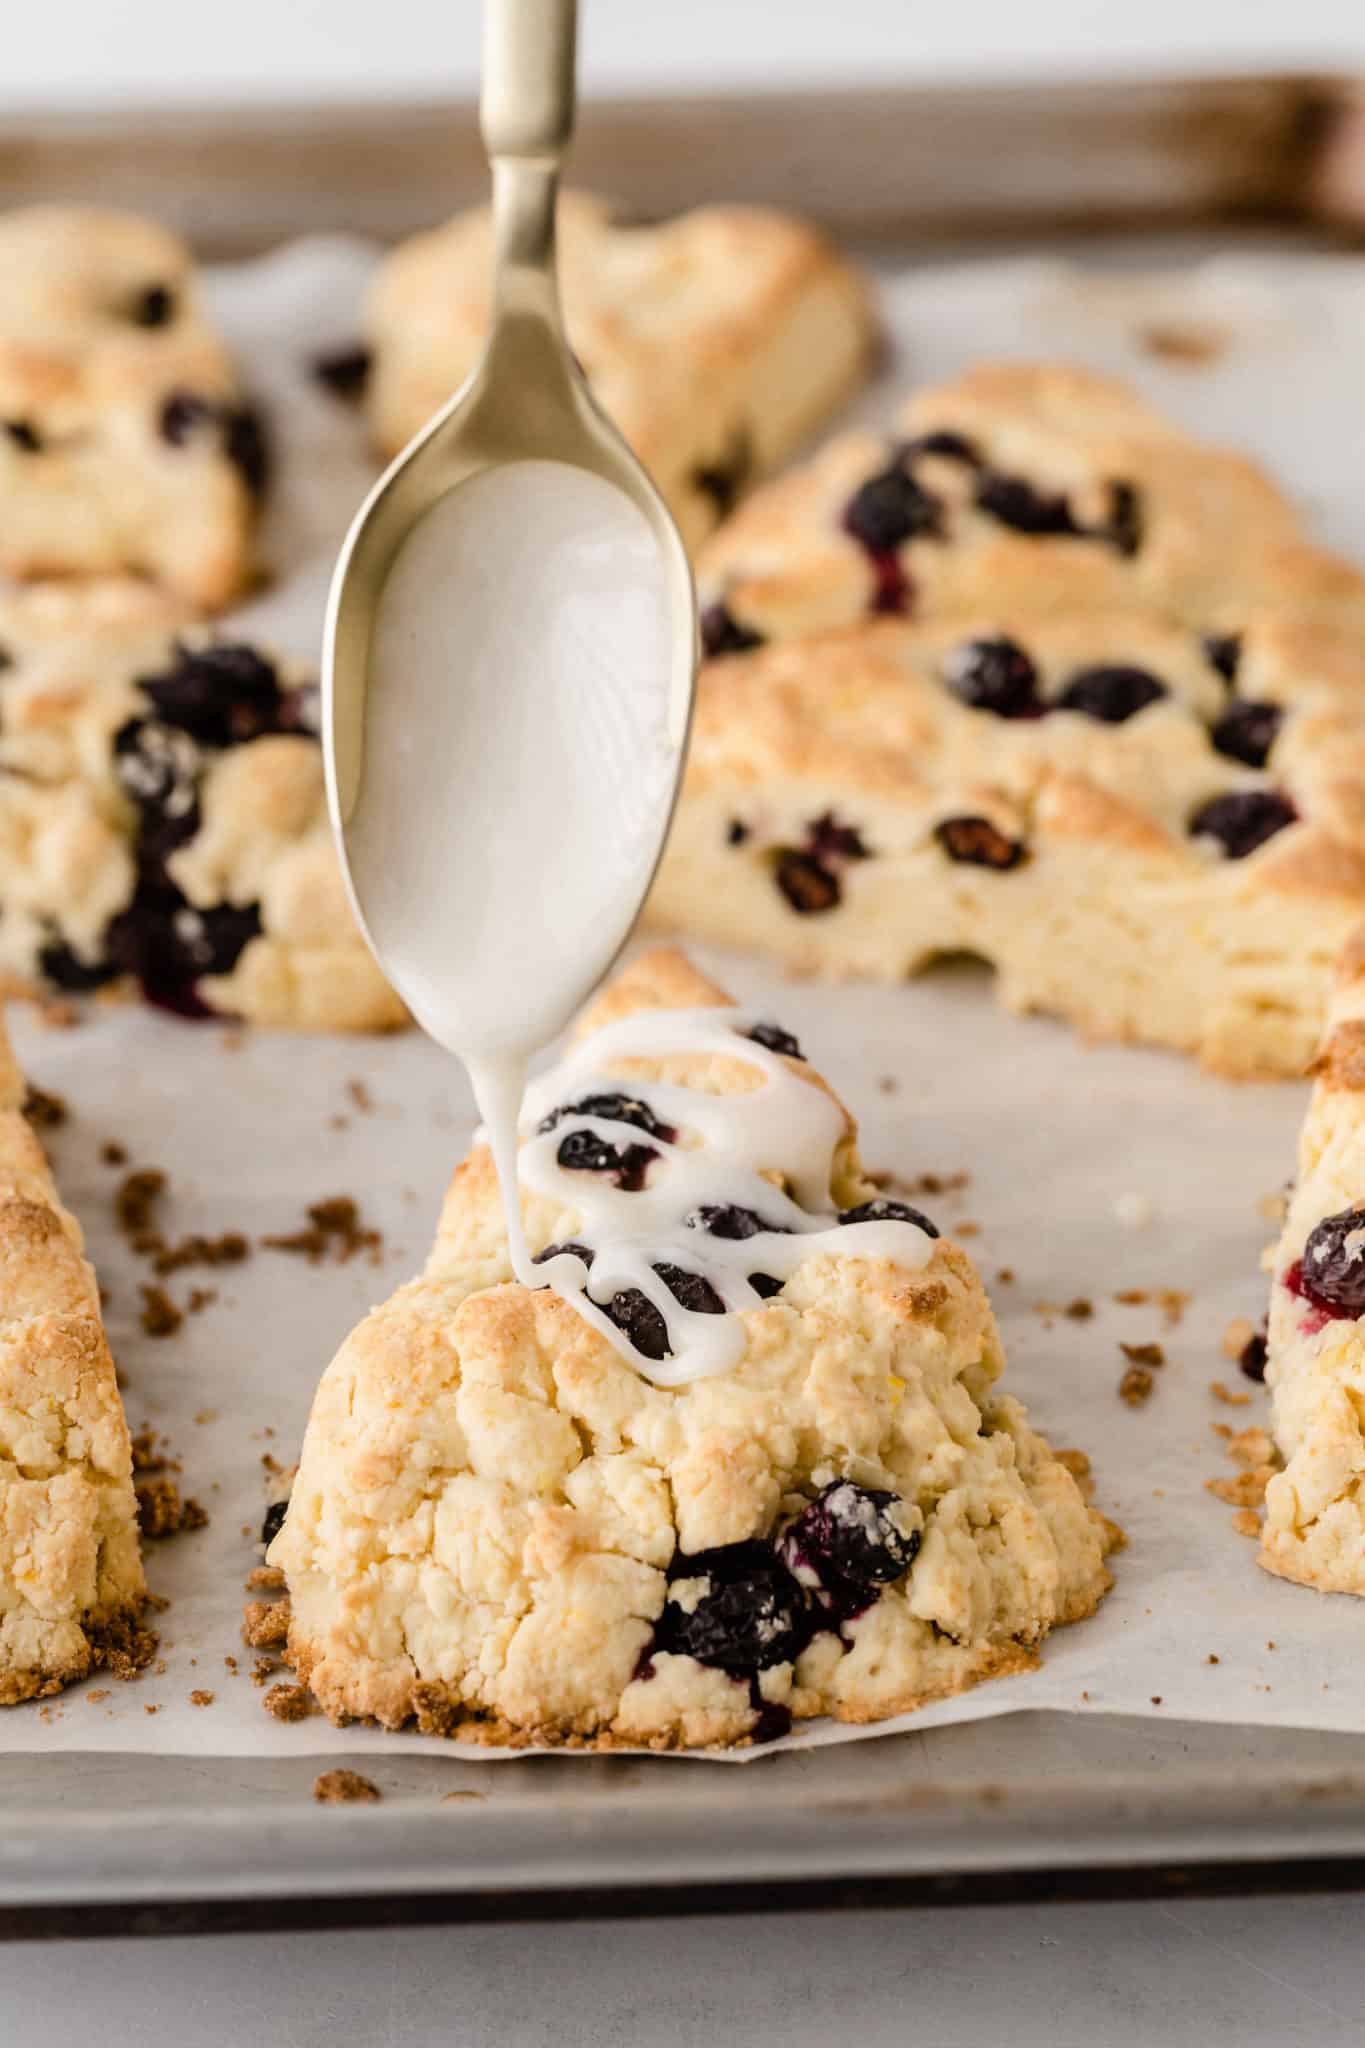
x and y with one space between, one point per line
510 651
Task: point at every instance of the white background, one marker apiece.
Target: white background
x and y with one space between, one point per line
89 52
1118 1976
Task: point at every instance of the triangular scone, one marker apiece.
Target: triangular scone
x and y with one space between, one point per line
71 1584
163 817
502 1528
1314 1528
1157 839
1023 486
715 341
125 442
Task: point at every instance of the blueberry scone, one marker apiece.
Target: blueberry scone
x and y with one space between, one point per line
1157 835
71 1584
163 817
1022 486
714 341
743 1461
1314 1527
125 440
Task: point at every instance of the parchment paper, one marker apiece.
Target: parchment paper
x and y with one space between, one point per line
1054 1136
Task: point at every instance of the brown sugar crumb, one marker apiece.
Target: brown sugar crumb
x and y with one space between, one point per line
1226 1395
231 1664
1005 1276
1211 1659
148 1708
1132 1297
97 1693
1244 1489
265 1626
887 1084
344 1788
968 1229
1236 1337
1143 1354
199 1299
160 1316
939 1183
1189 343
148 1452
1156 1699
229 1249
1223 1429
1273 1209
265 1578
207 1415
1253 1447
113 1154
1080 1310
288 1702
1246 1523
125 1649
360 1096
44 1111
263 1670
1173 1302
135 1200
334 1229
201 1698
1136 1386
162 1512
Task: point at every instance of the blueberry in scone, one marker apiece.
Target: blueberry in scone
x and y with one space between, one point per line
71 1584
714 341
1143 834
128 443
162 817
1023 488
524 1515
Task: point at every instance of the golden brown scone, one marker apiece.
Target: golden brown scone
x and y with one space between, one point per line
1157 839
70 1570
162 816
715 341
1022 487
1314 1528
502 1529
125 442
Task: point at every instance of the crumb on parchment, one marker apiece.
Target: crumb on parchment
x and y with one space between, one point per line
344 1788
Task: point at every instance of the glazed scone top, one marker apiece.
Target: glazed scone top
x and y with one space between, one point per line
656 315
1028 486
1108 725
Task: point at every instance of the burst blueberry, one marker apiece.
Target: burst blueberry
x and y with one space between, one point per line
890 509
1112 694
1334 1263
1243 819
976 842
776 1040
995 676
881 1210
751 1615
1247 732
851 1541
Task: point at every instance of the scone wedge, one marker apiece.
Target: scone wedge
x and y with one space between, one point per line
1155 836
715 341
1314 1526
503 1528
163 818
125 440
71 1585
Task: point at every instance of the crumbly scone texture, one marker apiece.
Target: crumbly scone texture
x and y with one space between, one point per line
849 810
70 1567
1028 486
489 1496
163 816
1314 1526
126 443
714 341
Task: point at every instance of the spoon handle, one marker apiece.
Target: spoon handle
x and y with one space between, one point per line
527 106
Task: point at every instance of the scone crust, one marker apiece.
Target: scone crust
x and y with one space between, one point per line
489 1495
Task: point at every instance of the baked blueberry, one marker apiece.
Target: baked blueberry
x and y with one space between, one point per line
722 481
221 694
722 633
1015 503
65 968
994 675
1125 519
827 839
158 766
850 1542
690 1290
730 1221
951 447
183 414
170 946
882 1211
274 1521
616 1109
1247 732
736 832
1223 651
1243 819
752 1615
808 885
344 371
585 1152
1333 1273
584 1252
24 435
154 306
977 843
775 1039
1113 694
891 508
635 1314
766 1285
1252 1358
246 448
